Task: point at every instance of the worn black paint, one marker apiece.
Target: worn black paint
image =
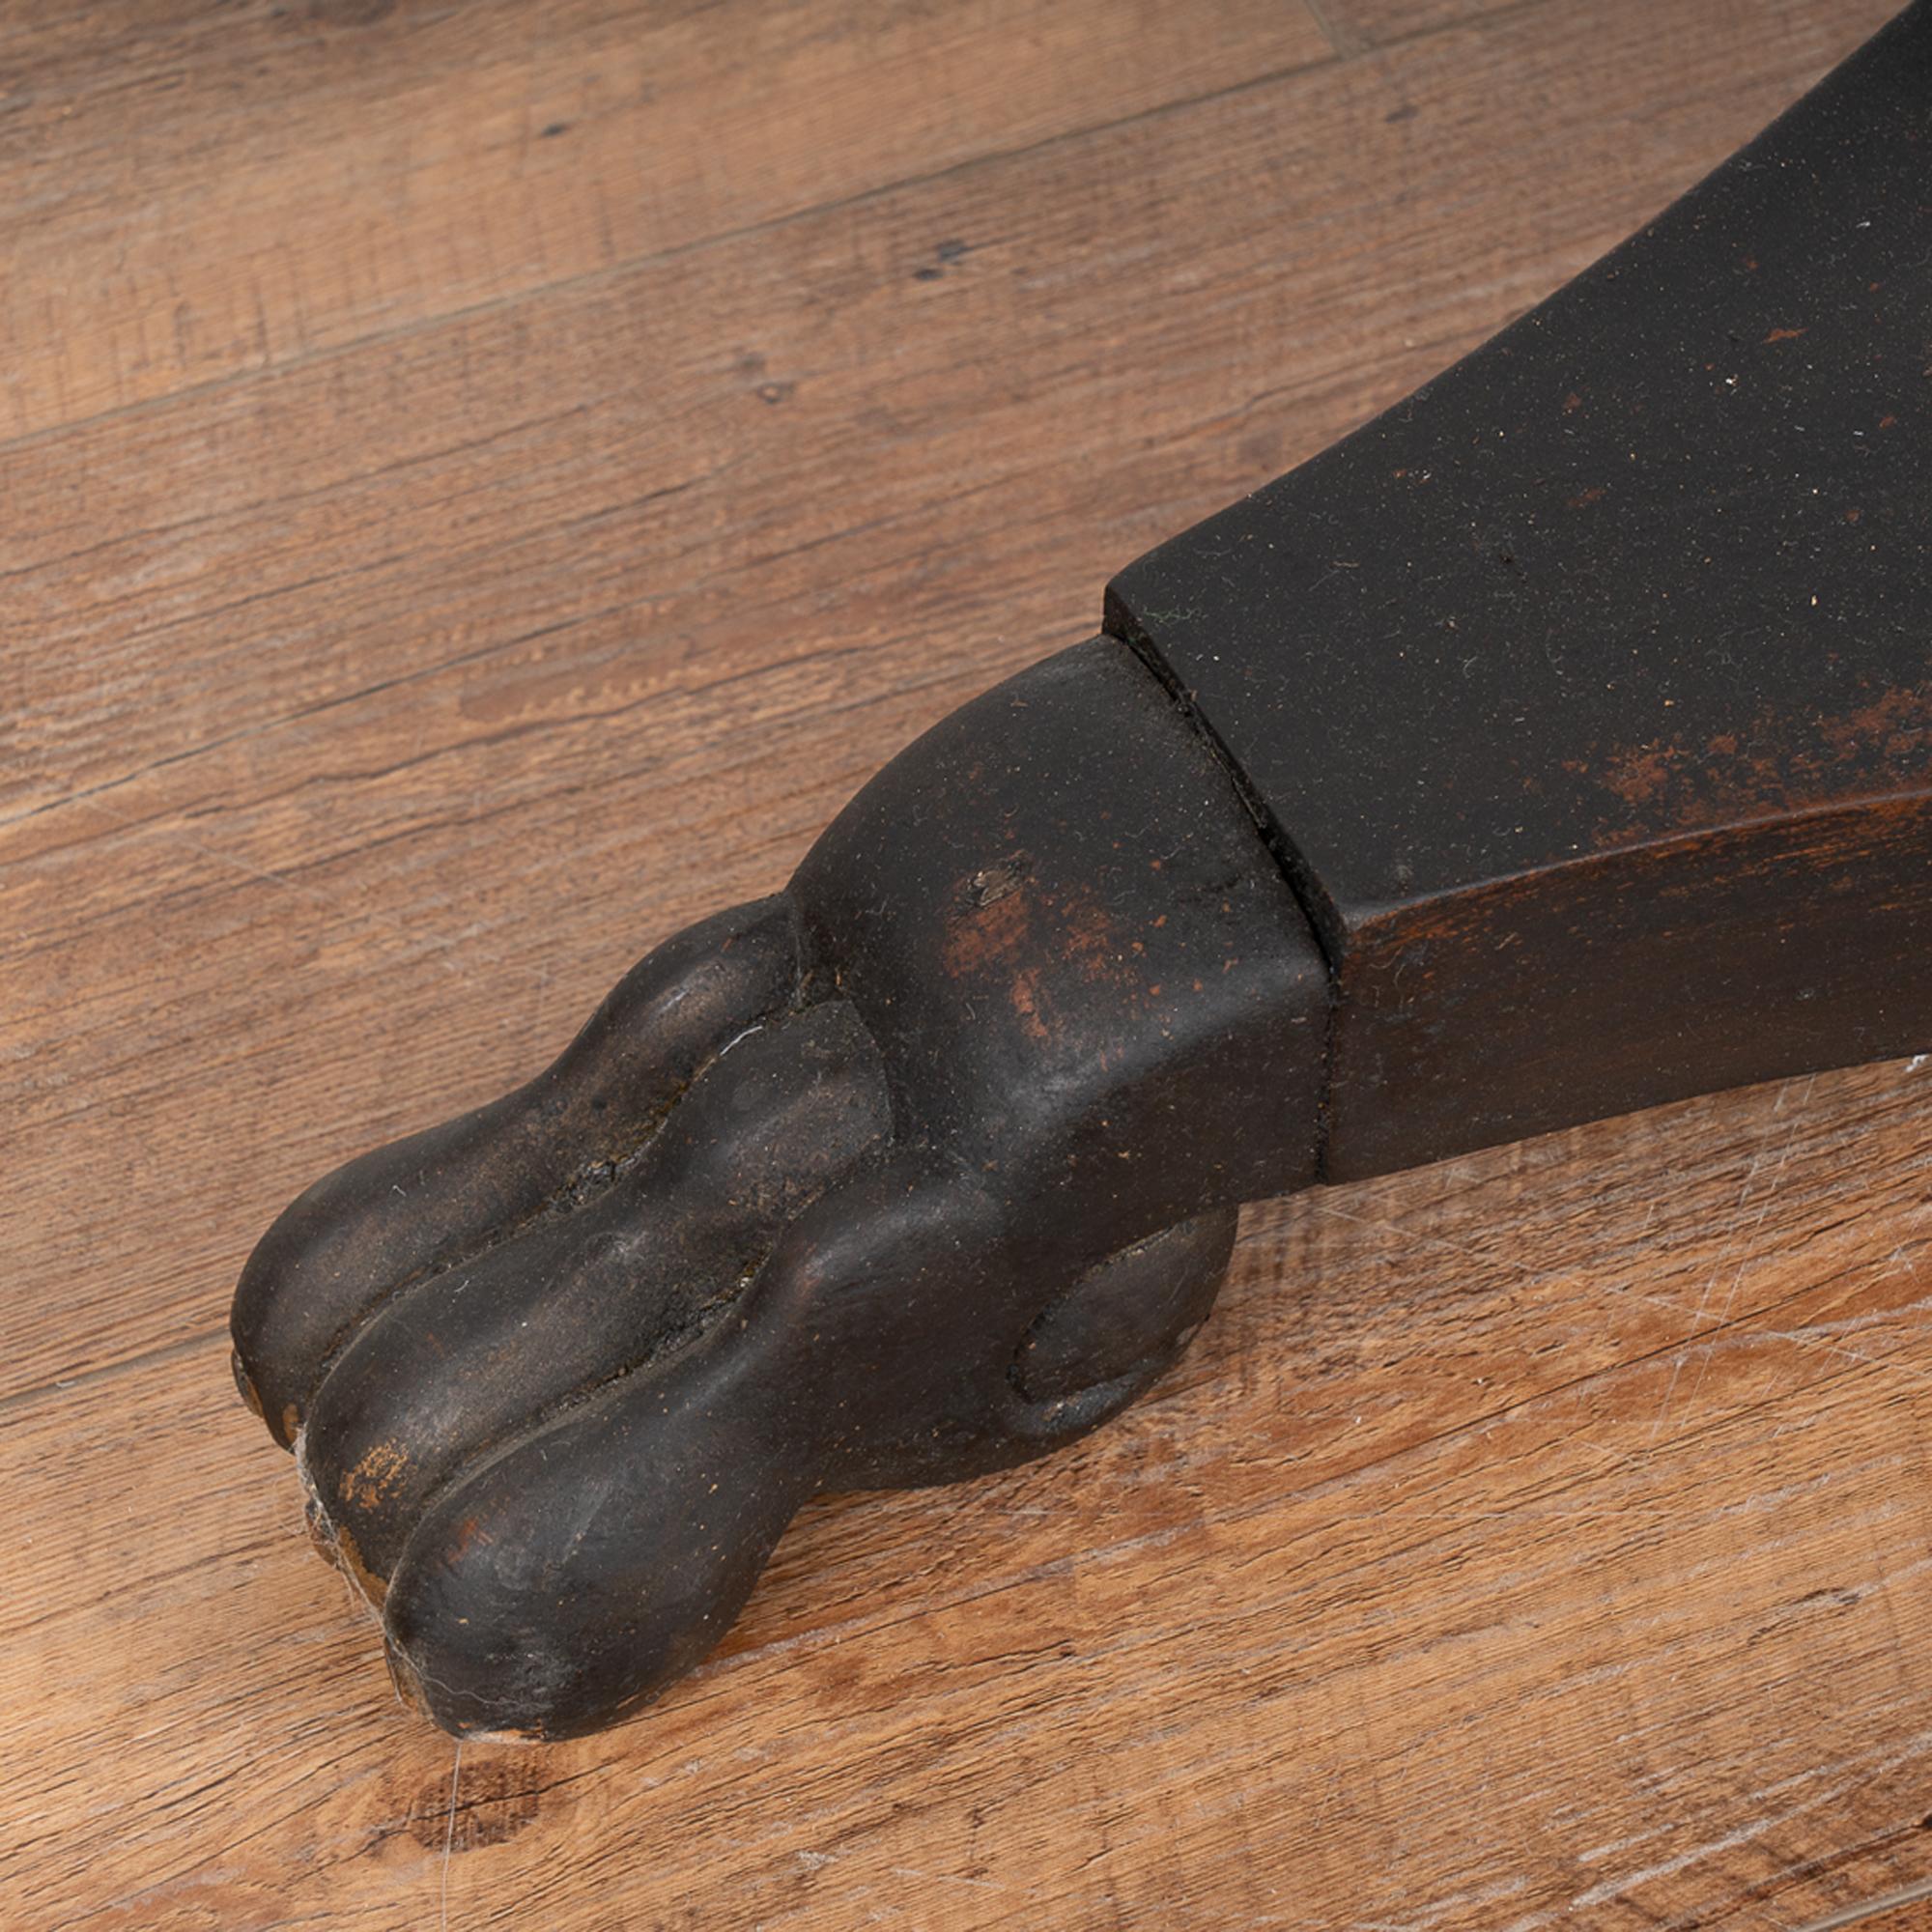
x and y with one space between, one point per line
1513 672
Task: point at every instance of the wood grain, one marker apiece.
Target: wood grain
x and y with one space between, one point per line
205 192
1537 1539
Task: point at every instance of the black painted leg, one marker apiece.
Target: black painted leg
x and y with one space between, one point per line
1557 745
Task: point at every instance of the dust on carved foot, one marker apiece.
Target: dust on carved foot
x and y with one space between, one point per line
924 1166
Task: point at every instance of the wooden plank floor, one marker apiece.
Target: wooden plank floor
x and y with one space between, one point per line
478 487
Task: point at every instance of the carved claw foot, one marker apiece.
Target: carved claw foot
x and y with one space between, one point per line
927 1165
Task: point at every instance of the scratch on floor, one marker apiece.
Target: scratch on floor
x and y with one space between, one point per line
449 1833
1857 1768
1850 1915
1749 1239
949 1878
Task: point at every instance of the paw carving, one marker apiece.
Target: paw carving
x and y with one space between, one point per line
926 1165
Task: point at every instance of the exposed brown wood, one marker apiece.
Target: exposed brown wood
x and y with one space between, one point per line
1537 1539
